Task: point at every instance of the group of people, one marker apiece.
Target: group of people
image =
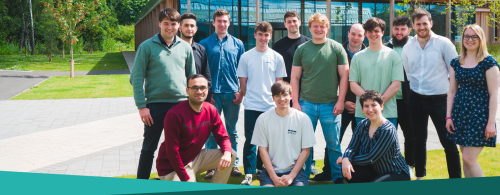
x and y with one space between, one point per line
286 89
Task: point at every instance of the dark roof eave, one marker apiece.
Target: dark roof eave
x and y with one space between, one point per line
148 8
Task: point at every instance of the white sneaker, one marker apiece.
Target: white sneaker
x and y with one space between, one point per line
313 170
412 171
247 180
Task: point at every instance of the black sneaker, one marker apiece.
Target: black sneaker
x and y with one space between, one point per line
339 180
210 174
321 177
236 172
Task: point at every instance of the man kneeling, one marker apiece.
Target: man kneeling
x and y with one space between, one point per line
284 136
187 128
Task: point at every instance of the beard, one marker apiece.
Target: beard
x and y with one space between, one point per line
184 35
399 43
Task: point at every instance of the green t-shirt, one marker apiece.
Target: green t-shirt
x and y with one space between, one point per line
375 71
319 70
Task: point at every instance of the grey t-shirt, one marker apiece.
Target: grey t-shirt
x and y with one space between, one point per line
285 137
261 69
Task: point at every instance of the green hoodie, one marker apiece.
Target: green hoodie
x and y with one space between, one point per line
159 74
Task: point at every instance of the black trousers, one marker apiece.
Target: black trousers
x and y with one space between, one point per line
404 123
346 119
420 109
365 173
152 136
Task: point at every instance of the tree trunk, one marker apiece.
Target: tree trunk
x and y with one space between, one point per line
90 50
32 31
63 50
22 41
22 29
26 48
72 71
50 57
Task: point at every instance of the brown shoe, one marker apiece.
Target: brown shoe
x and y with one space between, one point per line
236 172
210 174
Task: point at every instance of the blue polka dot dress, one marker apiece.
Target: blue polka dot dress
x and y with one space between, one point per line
471 105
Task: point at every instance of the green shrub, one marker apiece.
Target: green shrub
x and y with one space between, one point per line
8 49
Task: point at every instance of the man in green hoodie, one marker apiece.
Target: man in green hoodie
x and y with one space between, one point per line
161 67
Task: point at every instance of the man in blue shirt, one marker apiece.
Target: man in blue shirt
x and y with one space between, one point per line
224 52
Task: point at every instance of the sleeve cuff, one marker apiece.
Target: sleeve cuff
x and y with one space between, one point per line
183 176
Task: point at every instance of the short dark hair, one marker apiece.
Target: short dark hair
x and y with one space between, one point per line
291 14
371 95
419 13
169 13
194 76
188 16
373 22
401 20
281 87
221 12
263 26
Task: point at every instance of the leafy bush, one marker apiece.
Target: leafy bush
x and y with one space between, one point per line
108 44
8 49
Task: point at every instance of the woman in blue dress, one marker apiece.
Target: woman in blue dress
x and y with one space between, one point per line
472 99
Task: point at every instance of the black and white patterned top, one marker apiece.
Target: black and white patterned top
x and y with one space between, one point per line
471 108
381 151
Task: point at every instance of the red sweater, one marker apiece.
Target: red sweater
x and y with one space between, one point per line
186 131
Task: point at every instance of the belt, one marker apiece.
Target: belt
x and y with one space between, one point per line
429 96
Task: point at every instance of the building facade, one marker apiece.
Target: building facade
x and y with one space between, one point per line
342 15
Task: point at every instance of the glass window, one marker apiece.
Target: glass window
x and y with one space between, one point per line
438 14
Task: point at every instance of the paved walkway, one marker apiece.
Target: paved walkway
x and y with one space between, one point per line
97 137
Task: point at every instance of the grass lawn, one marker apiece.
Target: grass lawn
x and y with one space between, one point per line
436 167
83 62
92 86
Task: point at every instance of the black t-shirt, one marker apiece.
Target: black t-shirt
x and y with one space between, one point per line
286 47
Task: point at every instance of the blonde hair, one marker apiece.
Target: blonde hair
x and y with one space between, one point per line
482 51
317 17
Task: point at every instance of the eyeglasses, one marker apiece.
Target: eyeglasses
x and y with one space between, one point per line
196 88
285 95
473 37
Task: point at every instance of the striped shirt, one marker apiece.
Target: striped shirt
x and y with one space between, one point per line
381 151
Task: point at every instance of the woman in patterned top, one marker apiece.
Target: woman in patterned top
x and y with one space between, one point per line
471 110
373 154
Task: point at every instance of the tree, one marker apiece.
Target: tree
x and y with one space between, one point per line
408 7
127 10
50 33
68 14
32 31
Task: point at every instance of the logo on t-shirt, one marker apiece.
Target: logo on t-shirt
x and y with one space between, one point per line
190 126
292 132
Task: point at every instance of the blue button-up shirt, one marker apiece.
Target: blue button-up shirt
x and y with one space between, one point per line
223 58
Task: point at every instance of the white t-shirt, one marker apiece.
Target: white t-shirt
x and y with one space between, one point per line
285 137
261 69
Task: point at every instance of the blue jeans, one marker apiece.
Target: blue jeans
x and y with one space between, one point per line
224 103
251 157
331 131
299 180
394 121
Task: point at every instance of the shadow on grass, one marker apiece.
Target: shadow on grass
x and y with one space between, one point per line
111 61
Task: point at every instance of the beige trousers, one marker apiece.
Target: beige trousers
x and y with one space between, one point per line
206 160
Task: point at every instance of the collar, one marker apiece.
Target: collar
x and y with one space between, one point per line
216 38
160 40
360 48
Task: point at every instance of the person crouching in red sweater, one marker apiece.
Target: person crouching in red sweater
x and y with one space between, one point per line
187 128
